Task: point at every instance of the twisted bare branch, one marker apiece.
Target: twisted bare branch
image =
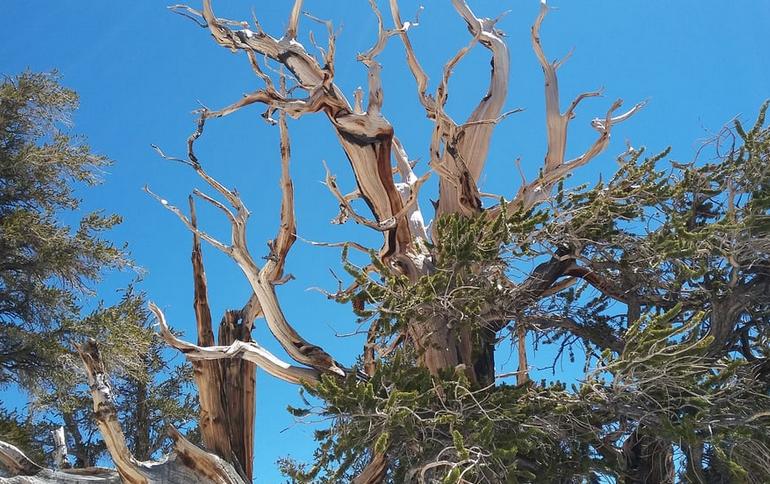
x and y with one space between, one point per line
251 351
365 136
458 153
262 280
555 167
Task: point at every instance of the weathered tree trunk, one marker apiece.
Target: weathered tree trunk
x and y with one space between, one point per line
225 372
226 388
444 345
186 464
484 357
239 384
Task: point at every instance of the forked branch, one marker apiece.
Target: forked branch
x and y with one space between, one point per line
458 153
364 136
247 351
187 463
262 280
555 167
474 144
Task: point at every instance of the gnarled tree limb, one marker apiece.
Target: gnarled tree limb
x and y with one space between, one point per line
17 463
213 418
129 468
261 280
238 349
365 137
555 167
458 153
17 468
187 463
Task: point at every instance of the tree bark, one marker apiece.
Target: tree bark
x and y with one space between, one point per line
187 463
238 384
649 460
226 387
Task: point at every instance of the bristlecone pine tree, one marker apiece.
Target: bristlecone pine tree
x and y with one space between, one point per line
662 272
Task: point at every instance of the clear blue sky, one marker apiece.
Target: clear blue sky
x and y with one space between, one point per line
141 70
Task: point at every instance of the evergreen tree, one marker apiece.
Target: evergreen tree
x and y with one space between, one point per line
48 273
661 274
46 266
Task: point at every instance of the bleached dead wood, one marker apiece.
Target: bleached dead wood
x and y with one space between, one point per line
459 152
60 447
555 167
262 280
247 351
224 369
187 463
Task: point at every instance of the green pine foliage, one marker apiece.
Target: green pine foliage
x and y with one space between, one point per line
45 265
49 272
676 342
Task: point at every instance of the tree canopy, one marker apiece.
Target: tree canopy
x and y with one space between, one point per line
662 278
51 259
660 274
45 264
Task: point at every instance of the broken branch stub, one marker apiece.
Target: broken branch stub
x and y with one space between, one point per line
186 463
262 280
